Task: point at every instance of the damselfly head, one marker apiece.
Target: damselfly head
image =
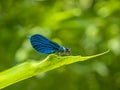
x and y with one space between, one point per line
68 50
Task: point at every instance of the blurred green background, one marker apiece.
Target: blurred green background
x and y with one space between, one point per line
87 26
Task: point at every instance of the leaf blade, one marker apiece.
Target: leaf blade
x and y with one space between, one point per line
32 67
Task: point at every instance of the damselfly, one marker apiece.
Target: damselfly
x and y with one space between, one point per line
43 45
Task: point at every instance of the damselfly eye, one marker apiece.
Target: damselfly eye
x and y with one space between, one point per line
68 50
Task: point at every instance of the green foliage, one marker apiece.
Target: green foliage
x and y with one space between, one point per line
86 26
18 73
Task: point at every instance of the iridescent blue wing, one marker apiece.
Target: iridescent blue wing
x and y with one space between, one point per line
43 45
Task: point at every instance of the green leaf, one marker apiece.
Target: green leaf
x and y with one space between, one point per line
32 67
